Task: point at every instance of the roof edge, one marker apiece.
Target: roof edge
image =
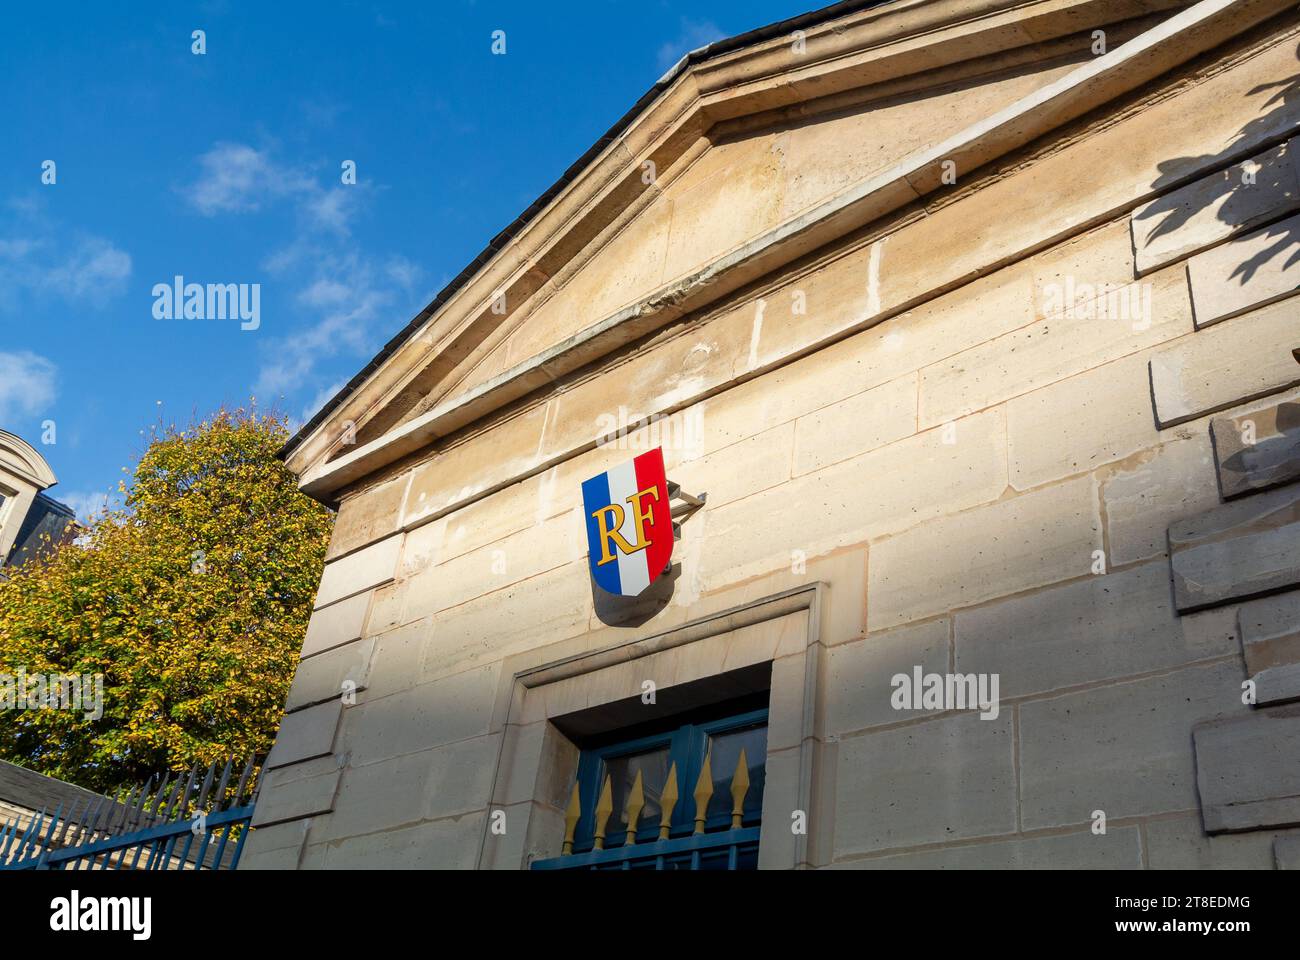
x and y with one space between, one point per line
498 242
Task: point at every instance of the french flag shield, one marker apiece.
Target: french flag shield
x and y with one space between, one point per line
629 527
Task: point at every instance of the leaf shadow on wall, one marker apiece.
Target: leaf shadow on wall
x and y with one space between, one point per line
1232 194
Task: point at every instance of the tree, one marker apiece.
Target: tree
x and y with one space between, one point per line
191 601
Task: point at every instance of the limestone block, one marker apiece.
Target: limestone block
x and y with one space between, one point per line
446 781
785 729
1270 631
984 553
399 653
876 493
447 844
275 848
1118 849
1121 748
305 735
1257 449
1286 852
329 675
1142 314
1248 272
367 517
943 779
1232 363
453 708
1143 495
1080 423
523 504
799 388
1248 770
1069 277
386 608
624 266
829 152
1106 173
360 571
1216 207
734 193
302 790
739 470
422 547
510 449
539 763
1098 628
778 846
336 624
858 674
1240 549
527 553
856 425
1275 685
550 607
1181 844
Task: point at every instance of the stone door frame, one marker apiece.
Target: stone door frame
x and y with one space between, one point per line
536 762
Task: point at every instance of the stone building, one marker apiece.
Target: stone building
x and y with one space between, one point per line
971 323
31 522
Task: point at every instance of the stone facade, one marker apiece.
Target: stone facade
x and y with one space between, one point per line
979 338
31 522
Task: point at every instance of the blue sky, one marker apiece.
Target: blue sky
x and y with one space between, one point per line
226 168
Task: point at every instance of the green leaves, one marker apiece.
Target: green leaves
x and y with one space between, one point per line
192 602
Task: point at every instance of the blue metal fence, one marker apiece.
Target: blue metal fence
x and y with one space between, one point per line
194 822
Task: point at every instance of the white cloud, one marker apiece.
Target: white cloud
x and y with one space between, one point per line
236 178
47 259
346 294
27 385
93 268
692 35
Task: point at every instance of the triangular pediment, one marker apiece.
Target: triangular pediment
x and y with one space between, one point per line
743 159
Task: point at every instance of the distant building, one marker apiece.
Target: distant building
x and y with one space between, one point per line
31 523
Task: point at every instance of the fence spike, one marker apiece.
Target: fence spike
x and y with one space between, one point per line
604 807
668 801
182 810
33 829
140 805
635 803
220 796
68 821
207 785
572 814
243 779
703 791
158 797
739 787
171 800
52 825
88 821
126 812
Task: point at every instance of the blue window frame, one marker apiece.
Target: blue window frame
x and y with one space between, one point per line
725 841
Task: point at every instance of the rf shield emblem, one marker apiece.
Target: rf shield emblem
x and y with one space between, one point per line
629 527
